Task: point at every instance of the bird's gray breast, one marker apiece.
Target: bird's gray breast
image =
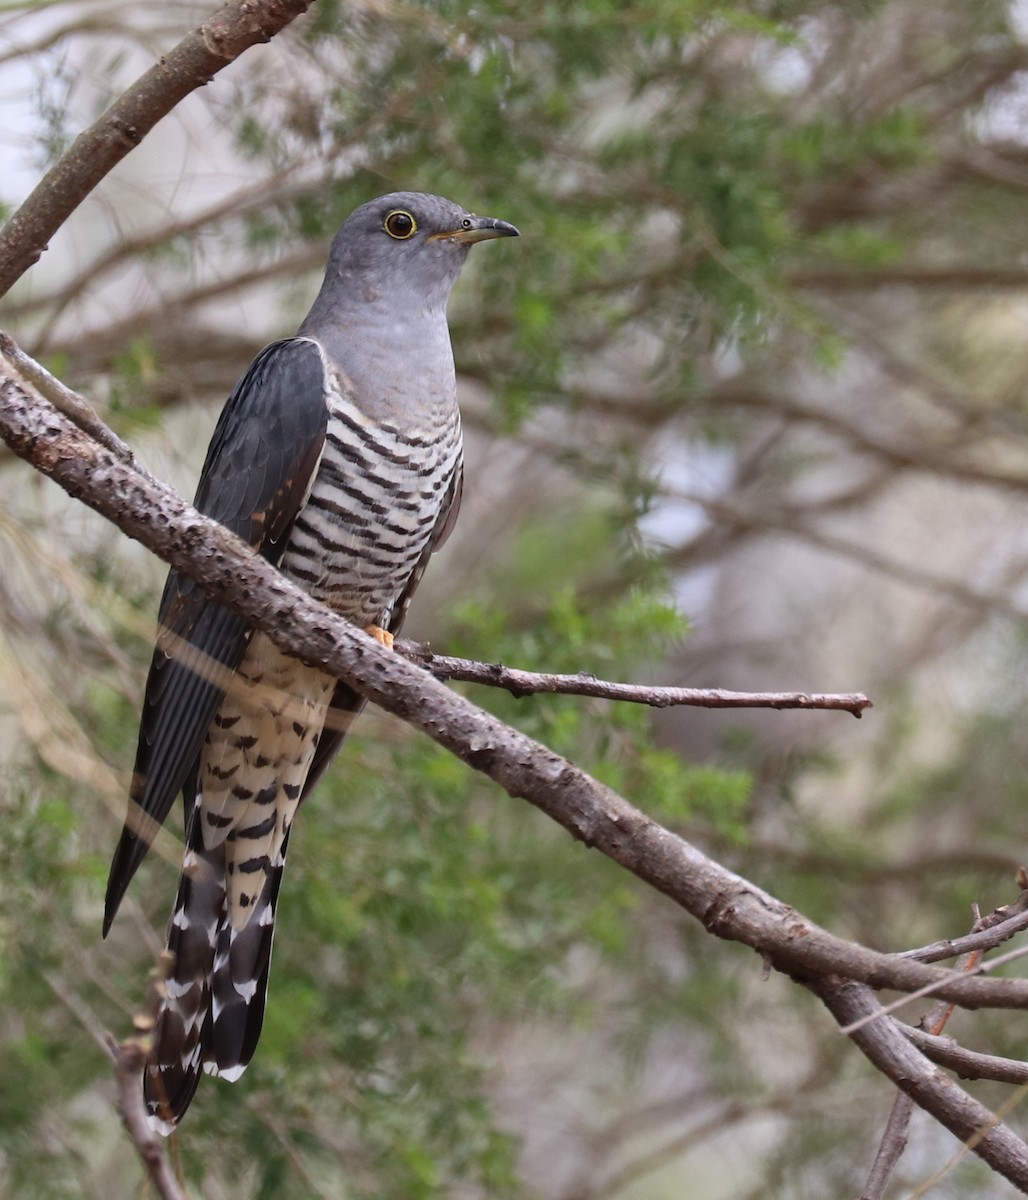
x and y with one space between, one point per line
376 498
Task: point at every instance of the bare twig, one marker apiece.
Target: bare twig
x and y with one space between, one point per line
991 931
959 277
752 523
890 1148
968 1064
953 460
190 65
93 346
129 1059
528 683
969 1147
237 204
930 989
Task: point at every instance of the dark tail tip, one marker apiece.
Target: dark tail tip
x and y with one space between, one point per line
130 852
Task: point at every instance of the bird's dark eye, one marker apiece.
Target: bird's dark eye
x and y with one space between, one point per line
466 223
400 225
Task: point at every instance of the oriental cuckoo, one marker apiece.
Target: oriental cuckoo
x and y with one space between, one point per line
338 459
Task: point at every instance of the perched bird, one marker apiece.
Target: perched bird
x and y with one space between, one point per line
338 458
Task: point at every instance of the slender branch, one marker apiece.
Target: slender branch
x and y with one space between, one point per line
890 1148
968 1064
528 683
190 65
930 989
94 346
959 277
992 931
726 904
129 1059
885 1044
894 1136
751 523
63 398
96 23
237 204
954 460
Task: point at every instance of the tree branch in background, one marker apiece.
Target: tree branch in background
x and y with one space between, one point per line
190 65
530 683
863 279
129 1059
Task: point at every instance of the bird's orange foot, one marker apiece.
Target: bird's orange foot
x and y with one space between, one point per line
383 636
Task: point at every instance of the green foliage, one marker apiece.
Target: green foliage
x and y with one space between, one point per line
53 102
622 633
895 140
134 372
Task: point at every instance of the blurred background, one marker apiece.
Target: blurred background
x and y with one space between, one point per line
745 406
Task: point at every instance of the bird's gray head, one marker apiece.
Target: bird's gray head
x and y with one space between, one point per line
405 249
381 313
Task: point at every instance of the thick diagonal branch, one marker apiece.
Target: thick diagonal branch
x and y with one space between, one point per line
190 65
727 905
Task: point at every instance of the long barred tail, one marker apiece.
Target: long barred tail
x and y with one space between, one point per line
210 1019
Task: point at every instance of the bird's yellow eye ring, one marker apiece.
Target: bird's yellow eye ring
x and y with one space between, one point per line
400 225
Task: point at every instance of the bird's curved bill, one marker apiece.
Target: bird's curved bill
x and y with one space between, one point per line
481 229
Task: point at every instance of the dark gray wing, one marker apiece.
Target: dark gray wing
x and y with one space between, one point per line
256 477
346 703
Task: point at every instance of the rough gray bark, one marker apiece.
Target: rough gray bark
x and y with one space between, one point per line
883 1041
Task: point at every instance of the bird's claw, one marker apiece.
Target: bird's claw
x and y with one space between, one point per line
382 636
